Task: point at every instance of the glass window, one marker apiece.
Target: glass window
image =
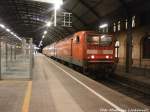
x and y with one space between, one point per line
103 40
126 24
133 21
146 47
119 26
93 39
114 27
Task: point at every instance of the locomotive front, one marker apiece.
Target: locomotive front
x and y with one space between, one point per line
100 52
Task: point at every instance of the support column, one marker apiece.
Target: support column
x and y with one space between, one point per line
129 46
6 54
15 52
11 53
0 62
31 56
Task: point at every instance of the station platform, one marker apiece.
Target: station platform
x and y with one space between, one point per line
57 88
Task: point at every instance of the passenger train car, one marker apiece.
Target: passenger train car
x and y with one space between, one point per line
86 49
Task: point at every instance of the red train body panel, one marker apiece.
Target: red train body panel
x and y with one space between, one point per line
86 49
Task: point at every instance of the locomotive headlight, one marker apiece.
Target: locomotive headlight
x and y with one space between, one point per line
107 57
92 56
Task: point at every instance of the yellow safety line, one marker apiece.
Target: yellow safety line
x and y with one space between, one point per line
26 103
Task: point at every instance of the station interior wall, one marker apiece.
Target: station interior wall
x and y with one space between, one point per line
138 35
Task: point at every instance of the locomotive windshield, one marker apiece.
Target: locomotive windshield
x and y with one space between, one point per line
102 40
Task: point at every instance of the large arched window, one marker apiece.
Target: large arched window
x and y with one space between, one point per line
146 47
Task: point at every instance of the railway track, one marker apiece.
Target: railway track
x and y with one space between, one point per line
127 88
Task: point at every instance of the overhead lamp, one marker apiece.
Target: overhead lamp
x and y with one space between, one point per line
45 32
8 30
50 1
18 38
57 6
43 36
12 33
103 26
2 26
49 23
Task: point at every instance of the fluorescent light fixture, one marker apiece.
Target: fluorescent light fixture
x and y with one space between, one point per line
49 23
36 47
8 30
45 32
51 1
18 38
12 33
2 26
103 26
15 35
57 6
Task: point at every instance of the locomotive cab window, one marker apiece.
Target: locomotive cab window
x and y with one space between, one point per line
93 39
103 40
106 40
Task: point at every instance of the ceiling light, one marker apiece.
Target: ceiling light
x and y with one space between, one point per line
8 30
103 26
48 24
43 36
45 32
12 33
57 6
2 26
51 1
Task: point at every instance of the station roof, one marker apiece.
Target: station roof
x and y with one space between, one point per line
28 18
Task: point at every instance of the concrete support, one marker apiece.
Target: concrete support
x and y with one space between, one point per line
129 45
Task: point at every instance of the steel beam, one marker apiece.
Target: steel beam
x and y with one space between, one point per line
78 18
90 8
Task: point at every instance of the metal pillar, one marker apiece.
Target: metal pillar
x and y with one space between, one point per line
129 45
0 63
11 53
15 52
6 54
31 57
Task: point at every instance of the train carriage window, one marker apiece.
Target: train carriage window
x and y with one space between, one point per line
146 47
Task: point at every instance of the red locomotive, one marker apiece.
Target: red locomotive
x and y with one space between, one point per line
86 49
